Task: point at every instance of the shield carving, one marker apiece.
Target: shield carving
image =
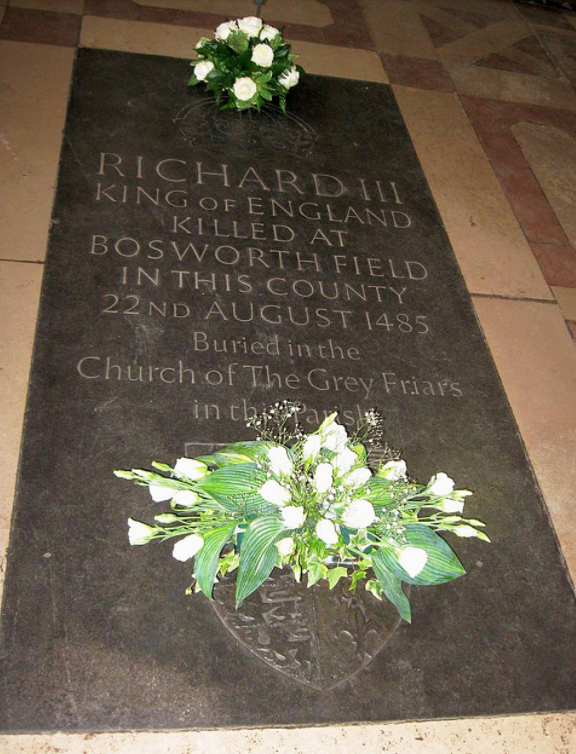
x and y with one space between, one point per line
318 637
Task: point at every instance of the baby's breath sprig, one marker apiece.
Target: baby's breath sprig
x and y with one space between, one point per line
279 423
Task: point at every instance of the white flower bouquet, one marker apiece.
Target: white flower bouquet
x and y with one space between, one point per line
246 64
310 502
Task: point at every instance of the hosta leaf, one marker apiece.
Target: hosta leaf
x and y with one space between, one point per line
442 564
236 487
391 586
242 452
206 563
258 554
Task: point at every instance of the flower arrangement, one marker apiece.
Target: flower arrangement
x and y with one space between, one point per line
310 502
246 64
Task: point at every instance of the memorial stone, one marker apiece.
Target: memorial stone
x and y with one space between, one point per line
201 266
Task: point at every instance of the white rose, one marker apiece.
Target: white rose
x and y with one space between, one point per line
293 516
334 437
250 25
274 493
344 460
289 78
190 468
357 478
326 531
358 514
244 89
263 55
393 470
159 494
323 477
139 533
185 498
269 32
440 484
187 547
201 42
223 31
279 461
450 506
412 560
285 546
202 69
311 447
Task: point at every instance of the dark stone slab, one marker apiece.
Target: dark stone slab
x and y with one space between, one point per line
140 299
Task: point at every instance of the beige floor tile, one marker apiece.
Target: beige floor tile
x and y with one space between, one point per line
396 28
551 153
566 298
134 36
19 295
513 87
309 12
61 6
495 8
483 42
34 82
524 734
344 62
491 249
536 359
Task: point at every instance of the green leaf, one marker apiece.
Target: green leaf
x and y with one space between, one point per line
258 554
335 574
206 562
236 487
316 571
391 586
442 564
242 452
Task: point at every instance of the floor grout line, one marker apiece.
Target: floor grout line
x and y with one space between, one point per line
24 261
501 296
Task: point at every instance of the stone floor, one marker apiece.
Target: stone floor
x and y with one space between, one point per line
488 92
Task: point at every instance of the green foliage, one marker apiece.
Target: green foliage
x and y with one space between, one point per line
315 492
232 59
258 554
208 559
391 586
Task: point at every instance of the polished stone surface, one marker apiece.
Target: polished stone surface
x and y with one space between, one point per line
116 645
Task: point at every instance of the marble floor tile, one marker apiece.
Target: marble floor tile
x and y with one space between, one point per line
43 27
491 83
526 144
33 97
347 63
561 47
539 16
148 38
418 73
19 295
123 9
60 6
310 12
396 28
551 154
558 263
536 360
566 298
523 734
479 220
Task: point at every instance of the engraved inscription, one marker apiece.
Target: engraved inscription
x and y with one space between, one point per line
316 636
